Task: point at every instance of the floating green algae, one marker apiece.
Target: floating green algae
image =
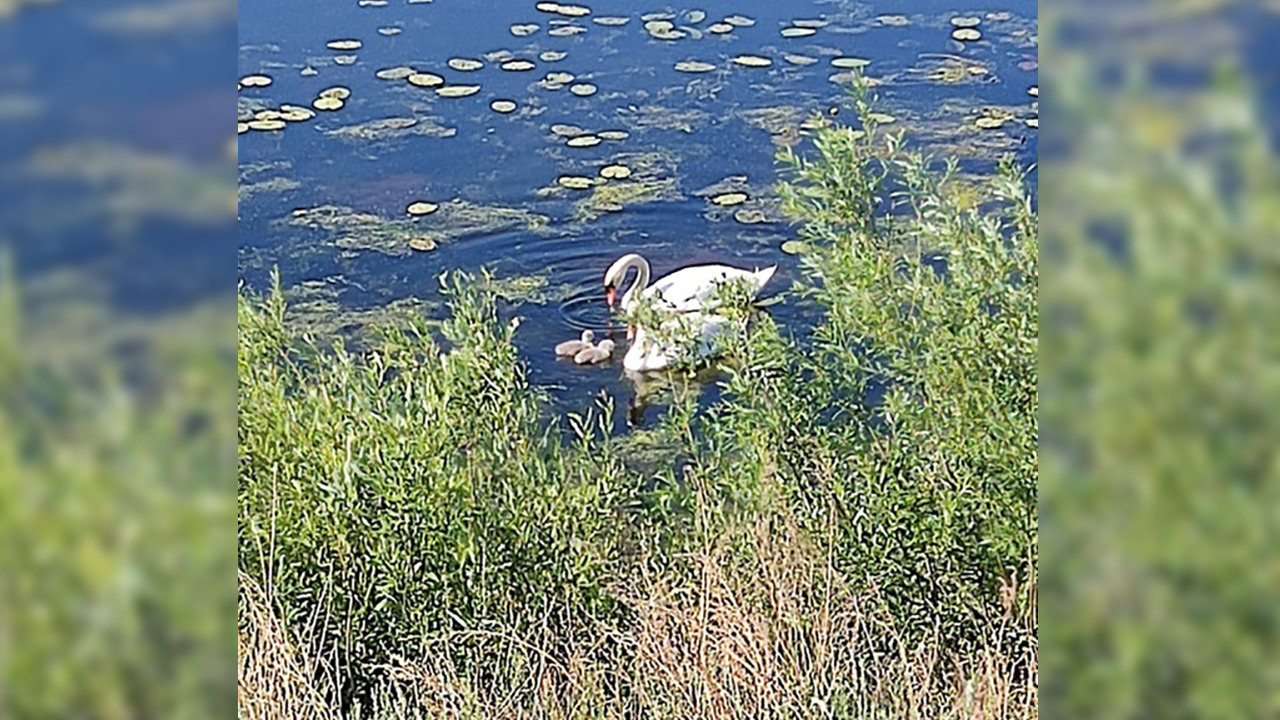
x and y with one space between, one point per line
313 308
519 289
393 128
350 229
657 117
245 191
639 177
776 119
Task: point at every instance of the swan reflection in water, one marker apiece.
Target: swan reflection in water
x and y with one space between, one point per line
666 388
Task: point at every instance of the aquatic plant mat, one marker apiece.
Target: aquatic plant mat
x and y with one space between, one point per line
850 531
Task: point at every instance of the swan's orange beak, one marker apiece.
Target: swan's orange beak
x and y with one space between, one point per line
631 333
609 295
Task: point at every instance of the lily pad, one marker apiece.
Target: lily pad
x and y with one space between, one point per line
390 31
344 60
503 106
583 89
423 243
694 66
794 247
457 91
752 61
266 125
797 32
720 28
693 17
615 172
425 80
988 122
749 217
255 80
575 182
1033 122
395 73
421 207
849 63
810 23
613 134
739 21
465 64
966 21
583 141
573 11
729 198
966 35
1034 91
337 91
327 102
552 55
517 66
524 30
558 79
611 20
801 60
568 131
344 45
566 31
242 128
295 113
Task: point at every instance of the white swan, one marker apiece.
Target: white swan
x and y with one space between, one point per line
686 295
595 355
685 290
648 353
570 348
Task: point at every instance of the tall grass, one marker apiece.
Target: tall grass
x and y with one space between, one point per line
418 540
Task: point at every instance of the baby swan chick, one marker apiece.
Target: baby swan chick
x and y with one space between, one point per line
570 348
595 355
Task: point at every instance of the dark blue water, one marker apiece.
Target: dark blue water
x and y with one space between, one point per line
504 160
151 106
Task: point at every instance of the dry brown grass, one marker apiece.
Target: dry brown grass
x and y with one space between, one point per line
276 680
778 635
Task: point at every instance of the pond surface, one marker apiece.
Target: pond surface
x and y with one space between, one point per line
326 199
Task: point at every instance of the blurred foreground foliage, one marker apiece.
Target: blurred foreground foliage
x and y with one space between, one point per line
114 503
1160 491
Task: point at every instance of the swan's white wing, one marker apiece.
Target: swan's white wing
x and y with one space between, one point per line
691 288
647 353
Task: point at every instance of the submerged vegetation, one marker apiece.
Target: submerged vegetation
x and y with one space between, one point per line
849 532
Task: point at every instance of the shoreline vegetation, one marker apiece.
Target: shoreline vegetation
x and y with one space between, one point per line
850 532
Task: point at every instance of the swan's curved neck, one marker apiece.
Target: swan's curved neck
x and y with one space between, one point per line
642 279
